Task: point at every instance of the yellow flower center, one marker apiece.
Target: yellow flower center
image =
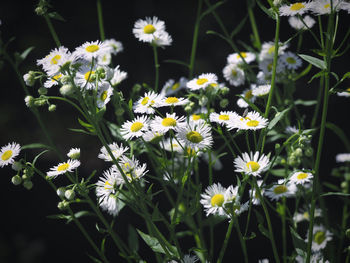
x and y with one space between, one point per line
224 117
136 126
107 185
56 77
145 101
190 151
55 59
103 96
306 215
88 77
319 237
280 189
6 155
242 54
301 176
252 123
92 48
234 73
171 100
201 81
271 50
248 95
291 60
175 86
297 6
194 137
253 166
326 6
149 29
217 200
169 122
348 90
63 167
196 117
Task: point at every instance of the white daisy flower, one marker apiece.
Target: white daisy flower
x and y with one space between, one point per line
172 145
173 101
74 153
297 23
135 128
169 122
131 168
54 60
342 157
253 194
236 58
196 118
304 214
195 136
162 39
301 178
281 189
291 130
186 259
114 45
322 7
116 150
264 260
253 121
90 50
266 66
297 8
251 164
290 60
8 153
145 29
118 76
261 90
110 204
147 103
62 168
248 95
53 81
223 118
104 59
268 50
345 6
233 204
171 87
320 238
203 81
105 91
345 93
151 136
107 184
214 199
234 75
316 257
85 77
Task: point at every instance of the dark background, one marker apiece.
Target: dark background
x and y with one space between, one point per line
26 234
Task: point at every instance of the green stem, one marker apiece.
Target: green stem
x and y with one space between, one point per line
284 234
156 65
241 240
227 237
318 104
100 20
52 30
195 39
257 42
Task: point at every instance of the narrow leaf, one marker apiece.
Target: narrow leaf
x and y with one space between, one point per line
211 9
340 133
36 146
152 242
334 193
179 62
297 240
277 118
314 61
305 102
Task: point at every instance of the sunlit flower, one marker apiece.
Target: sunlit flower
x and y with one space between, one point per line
118 76
135 128
53 81
297 8
345 93
322 7
234 75
131 169
162 39
251 164
342 157
237 58
54 60
203 81
85 77
214 199
116 150
169 122
254 195
90 50
151 136
195 136
233 204
105 91
266 66
147 103
253 121
261 90
304 214
173 101
171 145
297 23
301 178
74 153
147 29
320 237
290 60
223 118
281 189
8 153
64 167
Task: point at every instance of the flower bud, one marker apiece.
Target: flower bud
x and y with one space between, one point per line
347 233
29 78
309 151
28 184
69 194
29 100
60 191
65 79
42 91
52 107
62 205
203 101
16 180
67 90
40 10
298 152
40 102
17 166
224 103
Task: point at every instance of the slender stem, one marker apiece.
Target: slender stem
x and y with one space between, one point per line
268 220
284 234
241 240
195 39
100 20
227 237
318 104
52 30
327 59
257 42
156 65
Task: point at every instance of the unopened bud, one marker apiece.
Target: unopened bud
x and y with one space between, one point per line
42 91
17 166
224 103
67 90
62 205
29 100
69 194
28 184
16 180
29 78
60 191
52 107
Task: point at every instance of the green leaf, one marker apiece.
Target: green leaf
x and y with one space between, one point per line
37 157
278 172
334 193
25 53
346 75
36 146
211 9
130 104
317 75
175 61
266 10
252 236
263 230
81 131
59 216
239 27
303 73
153 243
297 240
277 118
56 16
341 135
211 32
314 61
305 102
332 186
133 240
94 259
